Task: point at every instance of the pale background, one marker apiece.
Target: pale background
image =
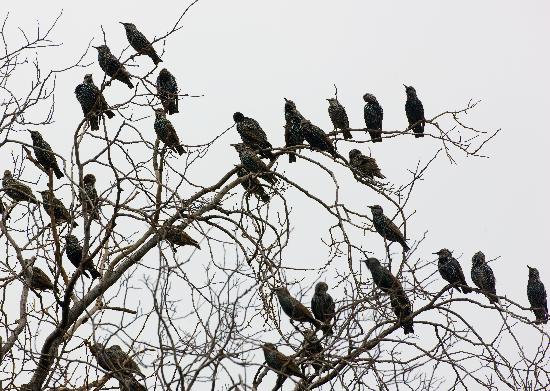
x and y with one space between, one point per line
248 55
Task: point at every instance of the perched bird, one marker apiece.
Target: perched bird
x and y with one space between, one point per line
167 91
16 190
253 185
386 228
166 132
317 138
44 154
253 135
483 277
283 365
176 236
389 284
89 196
92 101
53 204
322 305
112 66
374 115
293 308
364 166
537 296
312 349
140 44
451 271
73 249
293 128
415 112
252 163
40 280
114 359
339 118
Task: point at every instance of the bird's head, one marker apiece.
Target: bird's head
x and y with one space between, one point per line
238 117
35 136
321 287
443 254
89 179
370 98
372 263
128 25
88 78
164 72
7 174
102 49
354 153
239 147
333 101
289 105
533 273
160 113
410 90
376 210
281 291
268 346
478 259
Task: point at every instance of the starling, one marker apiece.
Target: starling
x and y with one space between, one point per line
252 163
293 308
312 349
92 101
16 190
386 228
293 128
253 135
483 277
140 44
322 305
167 91
283 365
364 166
166 132
44 154
73 249
339 118
317 138
40 281
374 115
113 359
52 204
537 296
389 284
253 185
178 237
415 112
451 271
112 66
89 196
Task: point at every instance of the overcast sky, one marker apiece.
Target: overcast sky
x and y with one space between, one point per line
247 55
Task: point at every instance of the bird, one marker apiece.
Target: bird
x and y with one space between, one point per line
537 296
252 185
317 138
322 305
415 112
252 163
176 236
73 249
386 228
283 365
483 277
451 271
293 130
389 284
112 66
44 154
16 190
374 115
140 44
89 196
364 166
92 101
114 359
40 280
253 135
166 132
293 308
338 117
53 205
312 349
167 91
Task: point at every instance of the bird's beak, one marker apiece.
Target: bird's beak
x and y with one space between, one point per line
328 99
122 23
404 86
95 47
371 206
529 267
286 100
437 253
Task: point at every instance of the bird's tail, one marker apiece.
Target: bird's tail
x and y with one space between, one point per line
156 59
75 224
327 329
94 123
267 154
264 197
94 273
172 108
408 327
466 289
291 158
347 134
180 149
58 172
405 246
376 136
128 83
492 298
418 131
109 114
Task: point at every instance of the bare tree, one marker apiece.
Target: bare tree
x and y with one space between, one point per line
151 227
